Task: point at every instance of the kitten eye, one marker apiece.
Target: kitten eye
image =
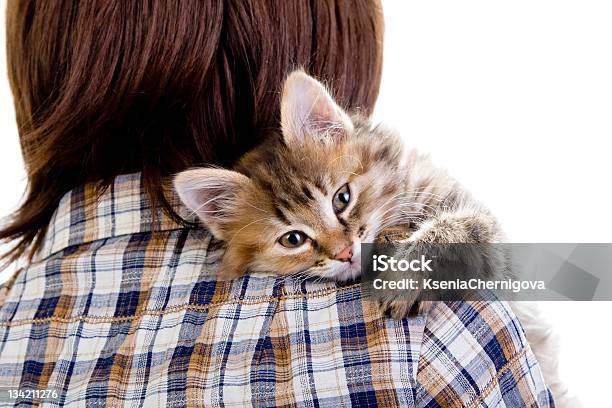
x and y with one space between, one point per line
342 197
292 239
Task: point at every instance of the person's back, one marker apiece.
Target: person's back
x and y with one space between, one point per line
120 303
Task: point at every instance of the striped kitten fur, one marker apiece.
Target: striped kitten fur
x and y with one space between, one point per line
306 199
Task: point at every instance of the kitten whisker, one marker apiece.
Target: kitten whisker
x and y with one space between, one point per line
395 196
420 191
393 208
404 200
396 219
411 203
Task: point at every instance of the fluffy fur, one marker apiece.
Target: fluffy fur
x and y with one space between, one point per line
289 185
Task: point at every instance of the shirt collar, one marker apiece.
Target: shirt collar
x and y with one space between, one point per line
86 214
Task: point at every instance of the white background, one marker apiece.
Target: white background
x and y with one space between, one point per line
515 99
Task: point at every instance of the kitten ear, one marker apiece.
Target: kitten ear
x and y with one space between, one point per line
212 194
308 111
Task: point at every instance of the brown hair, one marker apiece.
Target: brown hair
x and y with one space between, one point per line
109 87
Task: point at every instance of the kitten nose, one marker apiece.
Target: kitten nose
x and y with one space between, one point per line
346 254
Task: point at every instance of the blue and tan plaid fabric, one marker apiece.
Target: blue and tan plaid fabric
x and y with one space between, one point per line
113 314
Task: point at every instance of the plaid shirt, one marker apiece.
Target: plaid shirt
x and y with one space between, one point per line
111 313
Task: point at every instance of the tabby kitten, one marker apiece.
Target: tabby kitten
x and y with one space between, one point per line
307 199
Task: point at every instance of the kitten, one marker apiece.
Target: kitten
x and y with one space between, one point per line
307 199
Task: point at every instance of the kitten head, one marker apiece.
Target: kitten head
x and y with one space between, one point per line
303 201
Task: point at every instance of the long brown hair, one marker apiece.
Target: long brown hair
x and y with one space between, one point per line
104 87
